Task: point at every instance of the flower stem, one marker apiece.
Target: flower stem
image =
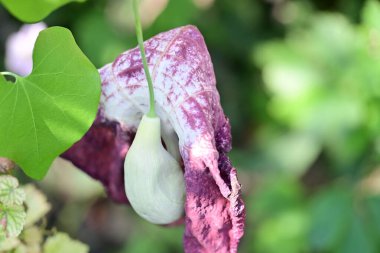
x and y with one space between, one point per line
140 40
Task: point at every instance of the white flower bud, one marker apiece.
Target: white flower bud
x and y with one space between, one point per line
153 179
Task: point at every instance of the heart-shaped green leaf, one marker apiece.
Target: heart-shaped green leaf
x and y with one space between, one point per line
44 113
33 11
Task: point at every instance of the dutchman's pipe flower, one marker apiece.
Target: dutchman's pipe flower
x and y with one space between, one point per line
194 129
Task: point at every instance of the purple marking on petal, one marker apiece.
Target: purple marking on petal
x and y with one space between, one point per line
188 103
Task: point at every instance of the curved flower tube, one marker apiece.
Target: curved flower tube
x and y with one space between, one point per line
153 179
188 104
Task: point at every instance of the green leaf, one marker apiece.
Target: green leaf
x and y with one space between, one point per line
10 194
44 113
62 243
33 11
12 219
36 204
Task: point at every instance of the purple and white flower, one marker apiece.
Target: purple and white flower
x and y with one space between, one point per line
188 105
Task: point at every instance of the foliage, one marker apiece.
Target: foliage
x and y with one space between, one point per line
9 192
309 89
39 120
21 230
323 86
299 81
33 11
37 205
61 243
12 213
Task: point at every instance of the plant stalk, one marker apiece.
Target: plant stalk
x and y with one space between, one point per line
140 40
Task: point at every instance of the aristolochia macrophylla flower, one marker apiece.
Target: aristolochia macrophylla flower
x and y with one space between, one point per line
188 104
19 49
153 179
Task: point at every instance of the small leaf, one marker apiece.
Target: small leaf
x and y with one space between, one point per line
10 194
62 243
36 203
12 220
33 11
44 113
32 236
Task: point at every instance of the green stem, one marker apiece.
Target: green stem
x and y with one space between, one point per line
140 40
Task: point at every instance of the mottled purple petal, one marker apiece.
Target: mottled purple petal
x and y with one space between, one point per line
101 153
188 104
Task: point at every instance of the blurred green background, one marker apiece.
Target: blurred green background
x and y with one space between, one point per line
300 82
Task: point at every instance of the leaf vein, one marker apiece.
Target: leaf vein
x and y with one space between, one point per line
46 56
34 120
5 97
13 114
50 96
